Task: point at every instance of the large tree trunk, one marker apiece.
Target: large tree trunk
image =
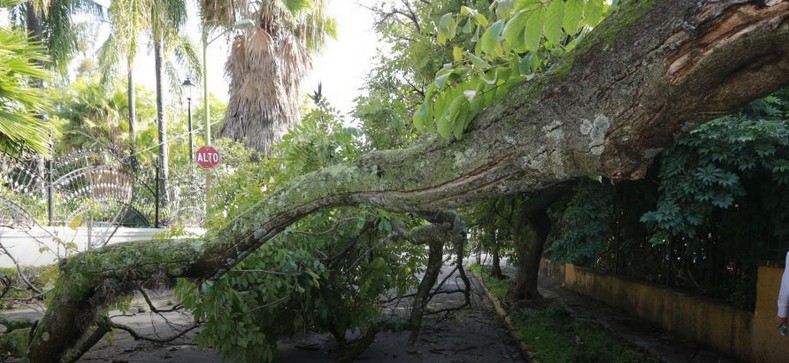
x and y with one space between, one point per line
525 286
649 72
533 213
492 240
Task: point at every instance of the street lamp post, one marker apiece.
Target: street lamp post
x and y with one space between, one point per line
241 24
187 85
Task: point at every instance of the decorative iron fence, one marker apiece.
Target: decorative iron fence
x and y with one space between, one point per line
97 190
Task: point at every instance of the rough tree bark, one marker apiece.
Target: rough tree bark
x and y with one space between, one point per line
646 74
533 213
492 242
445 227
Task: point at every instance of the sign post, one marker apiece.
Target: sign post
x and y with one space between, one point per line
207 157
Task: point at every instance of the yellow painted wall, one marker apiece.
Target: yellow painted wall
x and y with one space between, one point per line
751 337
768 346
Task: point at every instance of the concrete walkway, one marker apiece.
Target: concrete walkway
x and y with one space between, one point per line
640 334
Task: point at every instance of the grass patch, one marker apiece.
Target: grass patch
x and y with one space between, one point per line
556 336
498 287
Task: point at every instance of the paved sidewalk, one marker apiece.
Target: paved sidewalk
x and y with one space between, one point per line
630 328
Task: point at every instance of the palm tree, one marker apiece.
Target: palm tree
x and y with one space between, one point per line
162 20
266 67
50 23
168 17
129 20
20 129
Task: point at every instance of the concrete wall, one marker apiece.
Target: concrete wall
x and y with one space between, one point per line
767 344
44 245
747 336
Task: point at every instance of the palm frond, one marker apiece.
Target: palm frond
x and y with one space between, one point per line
186 55
266 68
109 61
20 104
219 12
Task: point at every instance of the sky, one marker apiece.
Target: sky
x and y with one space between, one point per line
340 67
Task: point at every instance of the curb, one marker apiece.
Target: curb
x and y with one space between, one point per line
525 349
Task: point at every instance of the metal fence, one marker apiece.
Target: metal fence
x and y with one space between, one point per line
94 189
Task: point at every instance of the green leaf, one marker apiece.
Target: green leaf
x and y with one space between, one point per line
295 6
490 39
447 28
513 32
444 126
420 117
475 39
481 20
552 26
593 12
467 11
74 223
442 75
478 62
452 116
440 106
534 30
491 76
527 5
468 27
573 11
457 54
535 63
524 65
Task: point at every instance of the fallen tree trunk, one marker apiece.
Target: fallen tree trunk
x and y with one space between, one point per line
648 73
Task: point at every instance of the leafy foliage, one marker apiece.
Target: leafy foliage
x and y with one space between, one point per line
584 224
20 103
709 212
391 98
501 47
711 168
325 273
92 117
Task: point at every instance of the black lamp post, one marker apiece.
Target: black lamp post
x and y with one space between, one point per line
187 85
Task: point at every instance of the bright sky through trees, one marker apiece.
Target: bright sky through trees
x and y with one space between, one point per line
340 67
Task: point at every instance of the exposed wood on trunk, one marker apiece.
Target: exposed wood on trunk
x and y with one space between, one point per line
606 109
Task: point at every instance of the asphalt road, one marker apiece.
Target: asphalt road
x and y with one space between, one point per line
475 334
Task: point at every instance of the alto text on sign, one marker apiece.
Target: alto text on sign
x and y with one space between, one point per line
207 157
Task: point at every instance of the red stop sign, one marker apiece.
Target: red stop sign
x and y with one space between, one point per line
207 157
